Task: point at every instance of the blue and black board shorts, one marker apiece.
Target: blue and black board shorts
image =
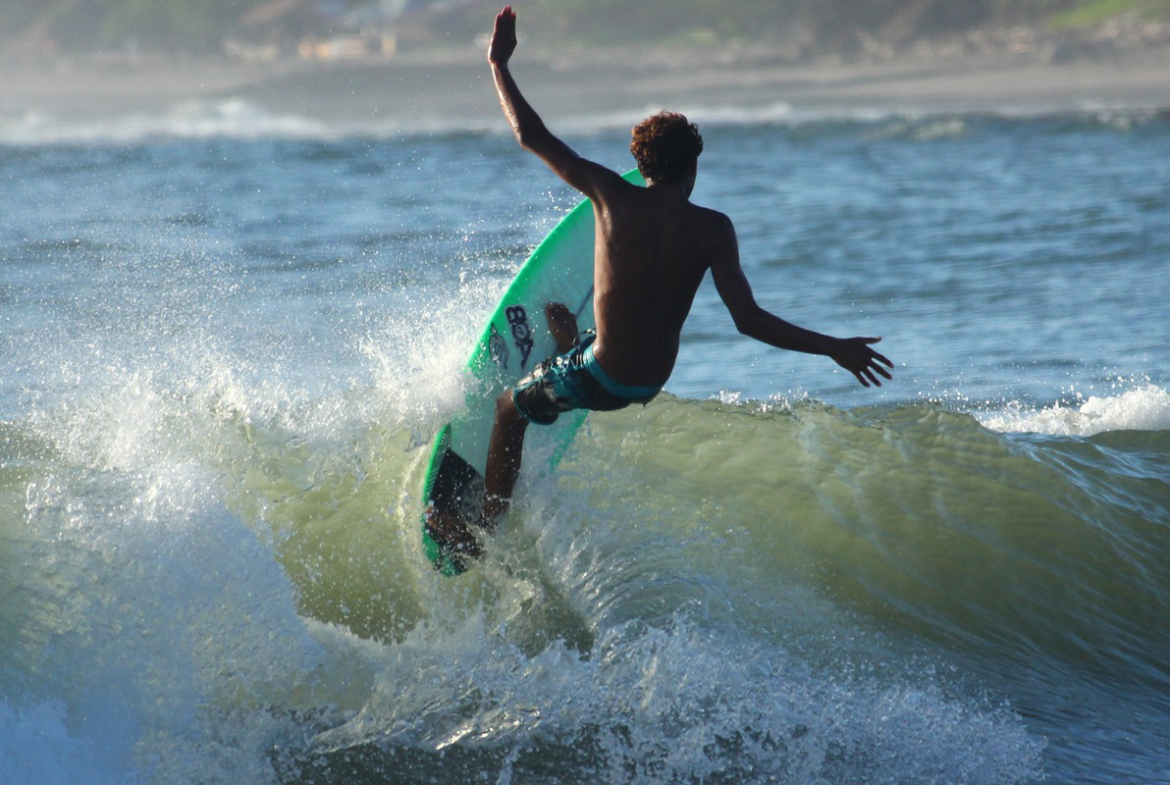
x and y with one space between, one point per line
574 380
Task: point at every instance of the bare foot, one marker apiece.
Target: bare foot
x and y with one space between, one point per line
563 325
452 533
494 508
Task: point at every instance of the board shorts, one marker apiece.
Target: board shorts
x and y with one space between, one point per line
574 380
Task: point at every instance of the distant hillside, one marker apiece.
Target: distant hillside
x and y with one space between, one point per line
801 27
841 27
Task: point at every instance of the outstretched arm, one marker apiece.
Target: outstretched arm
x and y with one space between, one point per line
530 130
852 354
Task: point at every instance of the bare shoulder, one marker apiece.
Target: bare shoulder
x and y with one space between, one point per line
597 182
713 219
714 225
600 182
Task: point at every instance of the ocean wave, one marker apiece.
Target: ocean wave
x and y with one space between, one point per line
36 745
914 514
195 119
1143 408
252 603
712 610
924 517
242 119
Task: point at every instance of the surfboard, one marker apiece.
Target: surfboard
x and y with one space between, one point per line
515 339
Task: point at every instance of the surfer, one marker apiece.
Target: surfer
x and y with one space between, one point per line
652 249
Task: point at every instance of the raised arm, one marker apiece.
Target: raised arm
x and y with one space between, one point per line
852 354
531 132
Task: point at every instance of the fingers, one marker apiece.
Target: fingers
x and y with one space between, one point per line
503 41
863 362
877 355
872 365
868 374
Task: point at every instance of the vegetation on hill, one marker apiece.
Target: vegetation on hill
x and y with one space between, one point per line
201 25
828 21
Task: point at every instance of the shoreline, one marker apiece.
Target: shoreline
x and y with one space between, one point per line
455 86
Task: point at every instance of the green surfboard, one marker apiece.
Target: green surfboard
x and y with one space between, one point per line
515 339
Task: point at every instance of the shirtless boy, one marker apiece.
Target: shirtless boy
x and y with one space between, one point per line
651 251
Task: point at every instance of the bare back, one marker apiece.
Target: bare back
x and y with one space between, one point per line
652 249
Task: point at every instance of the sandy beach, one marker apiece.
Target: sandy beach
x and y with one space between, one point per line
455 85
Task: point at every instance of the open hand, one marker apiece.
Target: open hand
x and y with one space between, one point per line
856 356
503 37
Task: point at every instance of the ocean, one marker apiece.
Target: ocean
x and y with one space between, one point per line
227 336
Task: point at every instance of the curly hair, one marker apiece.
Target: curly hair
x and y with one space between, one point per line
665 146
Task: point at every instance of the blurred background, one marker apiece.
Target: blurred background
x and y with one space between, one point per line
792 30
419 63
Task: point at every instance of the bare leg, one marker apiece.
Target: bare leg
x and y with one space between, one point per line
500 475
505 450
503 462
563 326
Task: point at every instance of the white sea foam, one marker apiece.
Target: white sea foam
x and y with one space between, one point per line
1145 408
232 118
723 115
239 118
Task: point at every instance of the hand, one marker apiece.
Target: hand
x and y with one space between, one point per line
503 37
855 356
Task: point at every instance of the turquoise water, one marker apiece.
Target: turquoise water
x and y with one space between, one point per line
225 336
